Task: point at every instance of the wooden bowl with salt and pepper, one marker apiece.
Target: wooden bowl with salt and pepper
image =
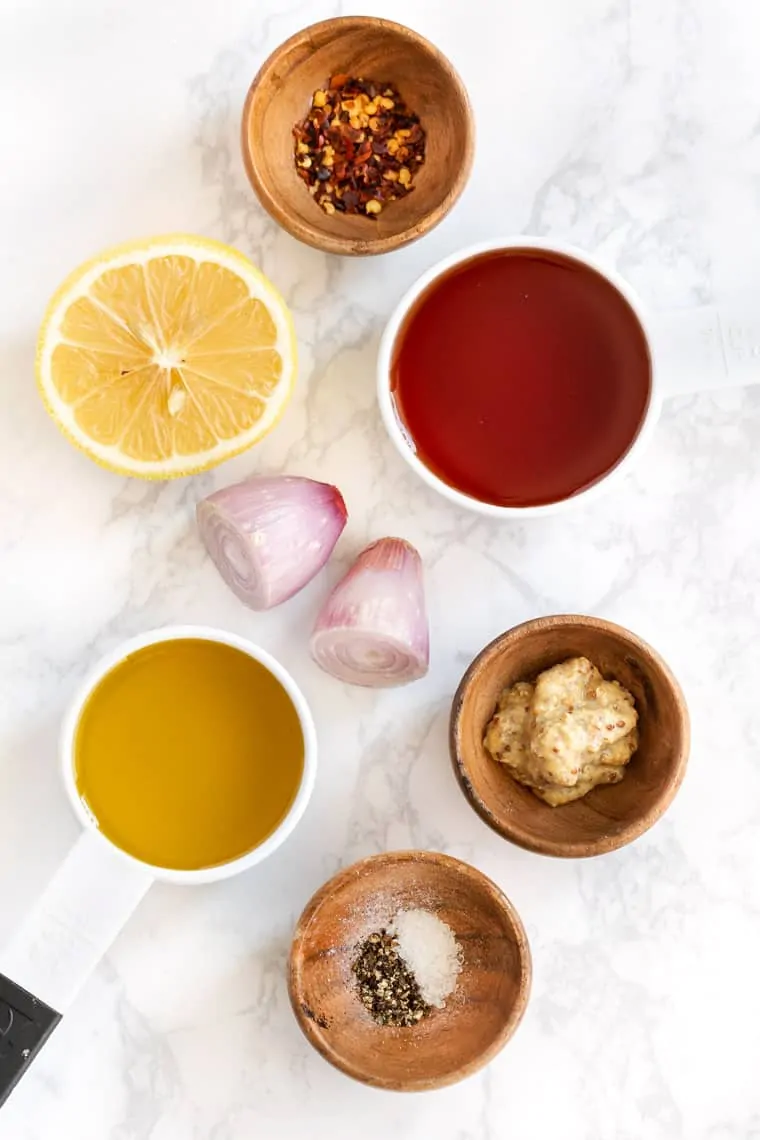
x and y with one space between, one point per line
449 1043
358 46
608 817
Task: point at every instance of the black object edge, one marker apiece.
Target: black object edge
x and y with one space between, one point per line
25 1025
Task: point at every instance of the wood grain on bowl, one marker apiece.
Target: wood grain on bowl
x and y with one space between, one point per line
608 817
449 1043
363 46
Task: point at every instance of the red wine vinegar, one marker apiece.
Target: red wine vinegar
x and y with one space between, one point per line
522 377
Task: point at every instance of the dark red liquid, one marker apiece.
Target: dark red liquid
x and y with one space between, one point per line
522 377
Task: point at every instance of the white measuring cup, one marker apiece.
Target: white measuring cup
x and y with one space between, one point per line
690 350
98 886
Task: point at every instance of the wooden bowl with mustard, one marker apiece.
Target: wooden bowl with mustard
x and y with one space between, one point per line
609 815
383 1038
351 211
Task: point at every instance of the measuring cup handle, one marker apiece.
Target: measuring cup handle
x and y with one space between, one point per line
72 924
714 346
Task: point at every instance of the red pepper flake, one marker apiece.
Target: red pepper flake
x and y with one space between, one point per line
359 146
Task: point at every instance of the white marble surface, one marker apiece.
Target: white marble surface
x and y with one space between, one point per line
630 127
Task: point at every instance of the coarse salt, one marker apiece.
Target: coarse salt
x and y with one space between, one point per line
431 952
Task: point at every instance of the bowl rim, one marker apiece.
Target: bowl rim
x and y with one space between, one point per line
313 1032
512 830
312 235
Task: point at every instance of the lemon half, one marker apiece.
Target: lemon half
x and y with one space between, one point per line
164 357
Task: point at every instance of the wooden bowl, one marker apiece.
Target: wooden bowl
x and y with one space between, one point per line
608 817
449 1043
280 96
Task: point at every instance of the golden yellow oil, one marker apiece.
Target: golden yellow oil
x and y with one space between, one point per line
188 753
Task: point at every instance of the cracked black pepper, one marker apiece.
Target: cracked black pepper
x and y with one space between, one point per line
386 986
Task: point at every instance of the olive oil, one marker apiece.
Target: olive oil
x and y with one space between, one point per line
188 753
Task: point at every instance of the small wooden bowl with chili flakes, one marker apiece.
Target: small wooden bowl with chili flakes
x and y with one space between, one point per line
353 113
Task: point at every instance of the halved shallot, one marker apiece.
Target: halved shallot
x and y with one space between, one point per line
269 535
373 628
